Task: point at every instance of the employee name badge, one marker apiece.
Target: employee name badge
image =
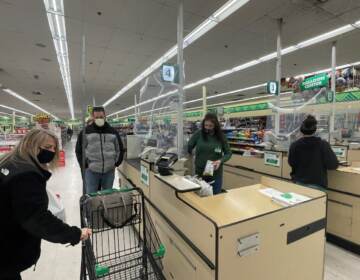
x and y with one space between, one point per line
218 150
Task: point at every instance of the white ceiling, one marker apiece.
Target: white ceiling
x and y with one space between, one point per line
131 34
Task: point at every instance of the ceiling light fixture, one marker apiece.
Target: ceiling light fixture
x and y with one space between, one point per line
18 96
56 18
16 110
268 57
221 14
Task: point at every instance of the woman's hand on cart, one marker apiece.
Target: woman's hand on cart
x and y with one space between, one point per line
85 233
216 164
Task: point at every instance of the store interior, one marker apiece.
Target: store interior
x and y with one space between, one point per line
158 67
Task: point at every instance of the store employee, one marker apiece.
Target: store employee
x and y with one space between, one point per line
310 157
211 145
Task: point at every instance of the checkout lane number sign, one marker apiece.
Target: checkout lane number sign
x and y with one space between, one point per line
271 158
144 175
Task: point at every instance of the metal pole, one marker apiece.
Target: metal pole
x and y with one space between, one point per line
94 101
83 163
278 73
204 92
180 61
13 121
333 87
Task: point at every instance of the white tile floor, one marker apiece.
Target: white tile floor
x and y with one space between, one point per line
58 262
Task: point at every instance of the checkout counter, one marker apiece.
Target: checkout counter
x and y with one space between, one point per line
343 212
240 233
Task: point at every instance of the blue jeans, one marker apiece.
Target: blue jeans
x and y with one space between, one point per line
217 185
97 181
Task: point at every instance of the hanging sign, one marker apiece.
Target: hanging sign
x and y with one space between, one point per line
144 175
272 87
89 109
271 158
314 82
169 73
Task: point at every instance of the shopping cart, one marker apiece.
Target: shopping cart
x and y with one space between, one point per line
124 243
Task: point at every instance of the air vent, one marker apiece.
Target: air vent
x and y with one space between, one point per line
37 93
40 45
46 59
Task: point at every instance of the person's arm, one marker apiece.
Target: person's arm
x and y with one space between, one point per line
330 160
119 147
227 151
29 208
193 141
78 148
291 156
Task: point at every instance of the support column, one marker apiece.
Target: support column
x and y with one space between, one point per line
180 62
333 87
278 73
204 94
13 121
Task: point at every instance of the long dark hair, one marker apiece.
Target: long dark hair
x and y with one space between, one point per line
217 129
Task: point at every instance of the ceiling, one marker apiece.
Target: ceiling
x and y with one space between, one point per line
123 37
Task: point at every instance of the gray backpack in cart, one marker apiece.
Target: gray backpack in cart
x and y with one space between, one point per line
109 208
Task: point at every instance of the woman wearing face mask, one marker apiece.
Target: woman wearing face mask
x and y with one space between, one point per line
24 204
211 145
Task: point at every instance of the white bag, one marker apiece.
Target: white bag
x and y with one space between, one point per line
206 189
209 169
55 205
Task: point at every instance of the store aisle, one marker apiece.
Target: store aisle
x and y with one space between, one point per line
58 262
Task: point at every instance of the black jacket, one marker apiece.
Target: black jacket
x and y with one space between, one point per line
310 158
25 218
103 148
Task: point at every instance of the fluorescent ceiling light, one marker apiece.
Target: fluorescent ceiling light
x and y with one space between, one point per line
16 110
56 18
221 14
236 91
268 57
16 95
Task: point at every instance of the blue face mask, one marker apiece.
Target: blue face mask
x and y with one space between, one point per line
45 156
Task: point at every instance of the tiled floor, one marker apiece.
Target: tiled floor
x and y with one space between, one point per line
58 262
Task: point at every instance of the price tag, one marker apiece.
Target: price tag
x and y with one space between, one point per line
272 159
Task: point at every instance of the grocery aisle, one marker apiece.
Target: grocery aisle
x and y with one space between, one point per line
59 262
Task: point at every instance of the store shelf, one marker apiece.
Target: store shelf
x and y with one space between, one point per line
241 138
246 144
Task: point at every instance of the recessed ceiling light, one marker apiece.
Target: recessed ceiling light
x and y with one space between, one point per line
99 13
35 92
40 45
36 77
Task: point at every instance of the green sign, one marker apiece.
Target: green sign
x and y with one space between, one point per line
193 114
271 158
169 73
246 108
314 82
272 87
144 175
340 151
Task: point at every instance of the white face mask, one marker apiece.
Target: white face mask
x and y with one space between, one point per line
100 122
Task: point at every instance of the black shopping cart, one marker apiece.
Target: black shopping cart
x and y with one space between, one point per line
124 243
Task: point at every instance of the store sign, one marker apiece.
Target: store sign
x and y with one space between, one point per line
246 108
314 82
144 175
271 158
169 73
272 87
330 96
193 114
340 151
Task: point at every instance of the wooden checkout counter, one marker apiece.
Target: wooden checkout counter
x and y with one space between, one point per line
241 233
343 213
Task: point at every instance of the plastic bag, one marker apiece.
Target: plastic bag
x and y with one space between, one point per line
209 168
55 205
206 189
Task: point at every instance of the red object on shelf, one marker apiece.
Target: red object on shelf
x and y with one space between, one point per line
61 161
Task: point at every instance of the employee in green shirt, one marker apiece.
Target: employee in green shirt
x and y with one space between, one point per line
211 144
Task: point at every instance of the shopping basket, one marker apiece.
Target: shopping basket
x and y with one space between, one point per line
124 243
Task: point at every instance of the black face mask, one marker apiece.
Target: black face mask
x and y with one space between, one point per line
45 156
209 131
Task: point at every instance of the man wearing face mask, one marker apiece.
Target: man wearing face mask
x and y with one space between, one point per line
103 152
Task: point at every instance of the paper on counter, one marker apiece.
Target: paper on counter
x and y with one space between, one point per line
285 199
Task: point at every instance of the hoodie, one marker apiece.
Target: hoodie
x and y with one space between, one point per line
310 158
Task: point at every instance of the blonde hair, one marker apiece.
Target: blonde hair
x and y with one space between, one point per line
29 147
